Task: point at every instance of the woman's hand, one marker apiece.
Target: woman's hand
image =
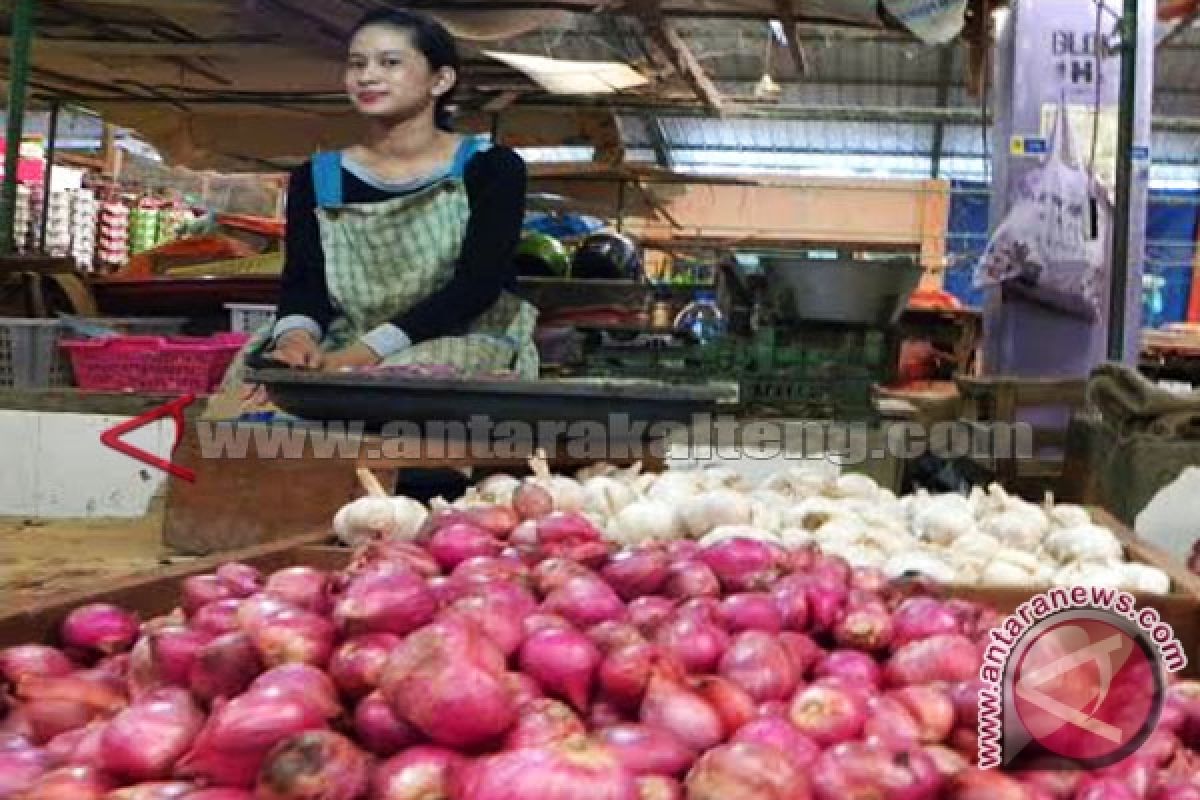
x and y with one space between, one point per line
356 355
297 348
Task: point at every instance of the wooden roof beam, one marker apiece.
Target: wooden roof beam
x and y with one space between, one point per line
162 49
787 17
674 49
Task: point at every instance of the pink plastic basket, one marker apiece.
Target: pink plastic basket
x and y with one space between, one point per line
153 363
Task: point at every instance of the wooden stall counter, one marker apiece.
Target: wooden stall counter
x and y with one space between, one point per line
257 482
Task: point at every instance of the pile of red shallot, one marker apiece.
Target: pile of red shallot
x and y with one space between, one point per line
509 658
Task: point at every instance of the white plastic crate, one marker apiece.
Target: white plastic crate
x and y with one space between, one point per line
249 317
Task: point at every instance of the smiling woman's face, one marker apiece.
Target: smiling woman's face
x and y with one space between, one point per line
386 76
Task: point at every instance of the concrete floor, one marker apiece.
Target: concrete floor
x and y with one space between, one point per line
41 558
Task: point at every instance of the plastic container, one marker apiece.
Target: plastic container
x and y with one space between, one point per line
30 357
249 317
154 363
701 318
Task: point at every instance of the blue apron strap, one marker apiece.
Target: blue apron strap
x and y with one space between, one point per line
327 178
467 148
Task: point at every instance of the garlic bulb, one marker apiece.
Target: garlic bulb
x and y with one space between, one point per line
841 528
1020 558
766 513
1069 516
976 546
1084 543
921 563
379 517
1005 573
854 485
496 489
712 509
1083 574
796 538
856 555
725 532
799 482
944 519
645 521
887 542
712 478
607 495
674 485
1144 578
811 513
1016 527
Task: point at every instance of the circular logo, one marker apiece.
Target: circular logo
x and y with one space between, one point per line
1087 688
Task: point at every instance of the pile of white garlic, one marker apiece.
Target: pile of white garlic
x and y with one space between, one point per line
988 538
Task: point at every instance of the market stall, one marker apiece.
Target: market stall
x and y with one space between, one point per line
752 479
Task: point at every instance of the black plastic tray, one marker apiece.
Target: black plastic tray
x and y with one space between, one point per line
376 400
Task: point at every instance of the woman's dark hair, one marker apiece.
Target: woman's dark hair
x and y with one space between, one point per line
432 39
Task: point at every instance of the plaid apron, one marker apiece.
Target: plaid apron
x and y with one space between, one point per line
381 259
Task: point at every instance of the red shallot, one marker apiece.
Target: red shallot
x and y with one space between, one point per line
303 682
301 587
691 578
742 565
357 663
656 787
224 667
21 661
828 715
244 579
20 766
378 729
575 769
854 666
945 658
648 613
200 590
746 771
919 618
750 611
563 662
235 740
636 573
585 600
733 705
71 783
854 769
144 741
697 645
625 672
156 790
217 618
541 722
395 603
295 636
614 635
443 681
454 544
675 708
783 736
100 627
646 750
314 765
419 773
757 663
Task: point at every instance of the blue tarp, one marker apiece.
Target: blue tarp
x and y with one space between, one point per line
1170 246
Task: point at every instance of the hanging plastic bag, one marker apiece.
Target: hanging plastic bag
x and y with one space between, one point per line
931 21
1055 236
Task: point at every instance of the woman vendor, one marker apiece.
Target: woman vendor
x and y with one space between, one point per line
399 249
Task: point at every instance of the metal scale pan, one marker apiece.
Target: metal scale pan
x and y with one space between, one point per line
377 399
